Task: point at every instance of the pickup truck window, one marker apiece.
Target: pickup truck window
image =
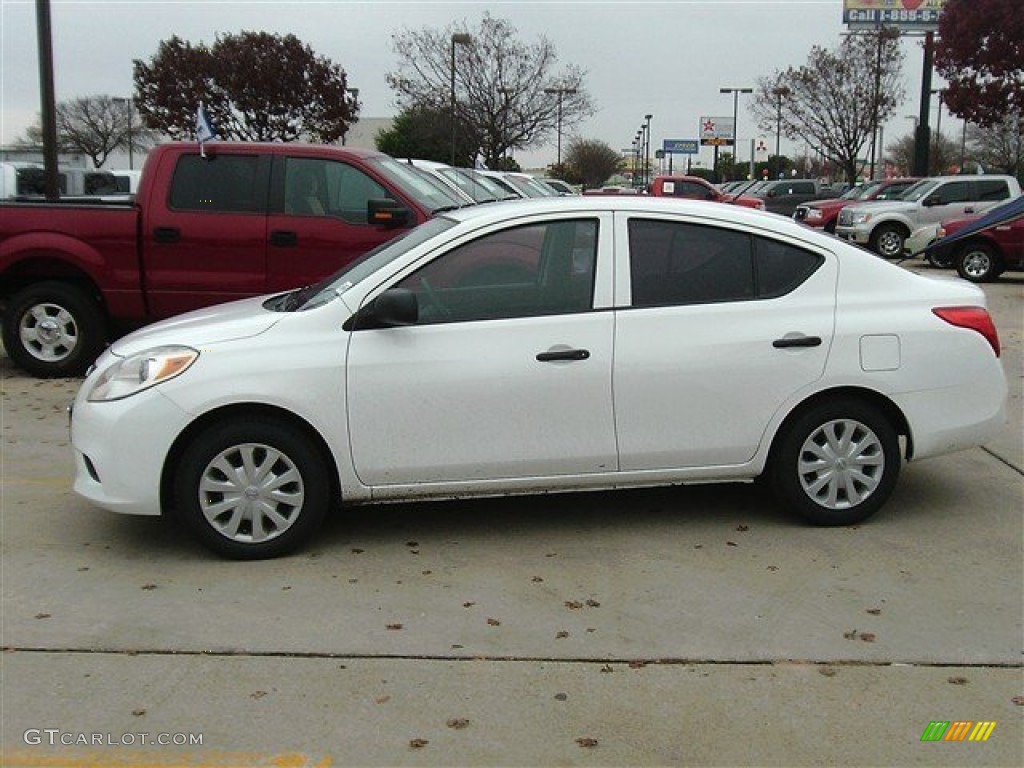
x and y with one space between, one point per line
225 182
992 189
953 192
316 187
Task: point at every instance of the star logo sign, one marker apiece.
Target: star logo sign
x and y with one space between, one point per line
709 126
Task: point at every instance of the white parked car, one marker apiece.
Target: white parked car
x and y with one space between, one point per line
561 344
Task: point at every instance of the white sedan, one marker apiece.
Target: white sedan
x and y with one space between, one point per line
561 344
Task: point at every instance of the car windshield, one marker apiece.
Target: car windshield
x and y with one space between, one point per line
432 196
477 186
354 273
859 193
918 190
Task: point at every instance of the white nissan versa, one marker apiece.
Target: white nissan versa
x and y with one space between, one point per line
556 344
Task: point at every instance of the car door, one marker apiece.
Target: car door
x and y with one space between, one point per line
717 328
507 373
950 200
206 243
318 219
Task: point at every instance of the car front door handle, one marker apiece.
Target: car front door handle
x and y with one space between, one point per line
284 238
166 234
788 342
563 354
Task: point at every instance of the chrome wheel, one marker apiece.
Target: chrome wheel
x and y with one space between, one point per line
841 464
889 243
977 265
251 493
48 332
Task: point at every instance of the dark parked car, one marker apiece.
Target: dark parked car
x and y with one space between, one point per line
784 195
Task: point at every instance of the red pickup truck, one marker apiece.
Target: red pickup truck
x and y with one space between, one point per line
242 220
985 255
696 188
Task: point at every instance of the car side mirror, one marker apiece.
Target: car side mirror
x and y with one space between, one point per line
395 307
385 212
931 201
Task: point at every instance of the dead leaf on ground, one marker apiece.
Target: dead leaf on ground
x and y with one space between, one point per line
1018 700
418 743
257 694
149 587
742 527
395 626
573 605
138 712
494 622
42 615
827 671
868 637
874 611
731 544
458 723
593 604
851 635
637 664
957 680
382 699
536 579
586 742
561 635
468 604
357 551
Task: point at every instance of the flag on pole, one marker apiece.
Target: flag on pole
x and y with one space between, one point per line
204 128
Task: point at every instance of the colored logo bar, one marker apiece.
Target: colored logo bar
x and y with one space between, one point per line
958 730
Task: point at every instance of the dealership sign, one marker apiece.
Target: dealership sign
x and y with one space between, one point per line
717 131
910 15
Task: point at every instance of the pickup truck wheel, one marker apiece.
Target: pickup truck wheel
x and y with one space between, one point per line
53 329
836 463
978 263
940 258
887 241
252 489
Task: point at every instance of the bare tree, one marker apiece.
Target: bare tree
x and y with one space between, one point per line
96 126
831 101
509 94
943 155
999 146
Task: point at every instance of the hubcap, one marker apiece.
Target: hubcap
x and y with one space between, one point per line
251 493
841 464
890 244
48 332
977 264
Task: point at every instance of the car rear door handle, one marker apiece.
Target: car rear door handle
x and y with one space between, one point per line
284 238
563 354
787 342
166 234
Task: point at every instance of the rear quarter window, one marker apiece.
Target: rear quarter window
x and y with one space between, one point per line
229 183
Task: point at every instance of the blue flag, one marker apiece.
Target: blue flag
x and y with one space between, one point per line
204 127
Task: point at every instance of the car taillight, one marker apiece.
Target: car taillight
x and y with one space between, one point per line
974 318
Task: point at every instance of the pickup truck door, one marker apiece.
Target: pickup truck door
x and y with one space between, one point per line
318 222
206 242
950 200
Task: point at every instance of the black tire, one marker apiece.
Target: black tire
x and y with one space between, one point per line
978 263
940 258
54 329
836 463
234 513
887 241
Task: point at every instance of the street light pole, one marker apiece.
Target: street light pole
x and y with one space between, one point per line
647 150
127 104
735 115
780 93
458 38
355 102
560 92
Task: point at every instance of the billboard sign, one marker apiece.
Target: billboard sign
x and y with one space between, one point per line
908 15
681 146
717 131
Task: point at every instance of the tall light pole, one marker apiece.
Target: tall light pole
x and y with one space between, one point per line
507 93
938 122
735 114
127 104
560 92
458 38
779 93
647 150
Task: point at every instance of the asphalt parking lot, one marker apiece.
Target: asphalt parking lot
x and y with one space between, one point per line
691 626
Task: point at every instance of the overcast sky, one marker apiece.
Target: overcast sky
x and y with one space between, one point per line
668 58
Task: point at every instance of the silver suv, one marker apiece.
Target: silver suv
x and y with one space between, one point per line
884 226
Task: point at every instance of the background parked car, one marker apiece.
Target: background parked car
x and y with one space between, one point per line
559 186
984 255
884 227
823 214
784 195
696 188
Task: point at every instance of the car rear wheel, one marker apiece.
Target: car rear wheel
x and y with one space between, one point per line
53 329
887 241
252 489
978 263
836 463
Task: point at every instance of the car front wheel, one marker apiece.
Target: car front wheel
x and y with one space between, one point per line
978 264
251 489
836 463
887 241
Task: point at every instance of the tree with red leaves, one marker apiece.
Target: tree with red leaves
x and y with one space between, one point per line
254 85
981 55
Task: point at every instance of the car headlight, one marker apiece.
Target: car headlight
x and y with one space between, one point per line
940 233
861 217
139 372
813 213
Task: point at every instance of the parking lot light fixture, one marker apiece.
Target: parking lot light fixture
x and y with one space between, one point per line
560 93
458 38
647 150
735 114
